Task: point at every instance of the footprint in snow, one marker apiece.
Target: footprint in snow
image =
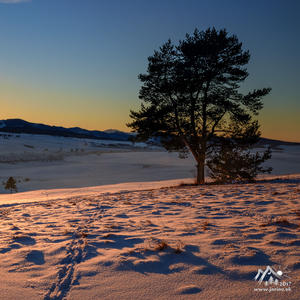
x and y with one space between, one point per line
189 289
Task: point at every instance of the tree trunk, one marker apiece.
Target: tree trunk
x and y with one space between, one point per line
200 172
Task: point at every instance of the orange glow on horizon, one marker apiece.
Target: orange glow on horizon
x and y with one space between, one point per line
101 113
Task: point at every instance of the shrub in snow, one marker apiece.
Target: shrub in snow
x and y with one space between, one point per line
232 162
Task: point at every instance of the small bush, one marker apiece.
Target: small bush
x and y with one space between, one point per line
231 163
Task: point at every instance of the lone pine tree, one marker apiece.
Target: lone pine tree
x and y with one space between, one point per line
11 185
192 99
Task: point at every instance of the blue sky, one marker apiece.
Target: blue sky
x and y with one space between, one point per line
75 62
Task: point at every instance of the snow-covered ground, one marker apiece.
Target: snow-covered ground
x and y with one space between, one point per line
136 235
40 162
45 162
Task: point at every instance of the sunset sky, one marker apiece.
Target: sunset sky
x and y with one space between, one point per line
75 62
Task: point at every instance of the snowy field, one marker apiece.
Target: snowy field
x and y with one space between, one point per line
96 221
44 162
40 162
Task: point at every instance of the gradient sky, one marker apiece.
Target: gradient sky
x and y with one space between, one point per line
75 62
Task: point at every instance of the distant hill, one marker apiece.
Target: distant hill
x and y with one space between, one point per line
275 143
21 126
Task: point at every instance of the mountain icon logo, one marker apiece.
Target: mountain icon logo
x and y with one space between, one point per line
271 272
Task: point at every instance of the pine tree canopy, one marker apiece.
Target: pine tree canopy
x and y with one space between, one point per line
192 103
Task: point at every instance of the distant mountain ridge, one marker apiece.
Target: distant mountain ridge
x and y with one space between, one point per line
21 126
275 143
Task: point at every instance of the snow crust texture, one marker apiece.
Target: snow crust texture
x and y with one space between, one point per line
184 242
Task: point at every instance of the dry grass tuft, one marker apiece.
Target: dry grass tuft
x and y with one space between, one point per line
149 222
145 249
266 224
205 224
127 203
283 221
110 226
161 245
179 247
5 212
19 236
175 201
297 212
228 247
83 234
150 194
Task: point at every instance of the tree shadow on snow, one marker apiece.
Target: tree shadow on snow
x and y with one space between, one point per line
166 261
